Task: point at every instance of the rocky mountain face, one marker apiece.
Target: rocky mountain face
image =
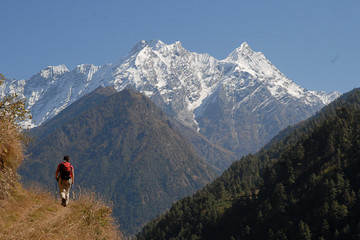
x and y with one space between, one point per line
126 148
239 102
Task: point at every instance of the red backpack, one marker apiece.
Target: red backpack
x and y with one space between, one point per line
65 170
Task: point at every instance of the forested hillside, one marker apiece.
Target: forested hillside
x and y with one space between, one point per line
305 185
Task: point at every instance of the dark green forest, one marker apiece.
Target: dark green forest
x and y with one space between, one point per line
303 185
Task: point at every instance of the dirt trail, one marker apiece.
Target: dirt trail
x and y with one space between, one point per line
54 221
57 217
34 215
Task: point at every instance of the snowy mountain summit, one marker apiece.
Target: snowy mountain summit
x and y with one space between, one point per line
239 102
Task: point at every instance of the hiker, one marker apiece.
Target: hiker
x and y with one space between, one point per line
65 176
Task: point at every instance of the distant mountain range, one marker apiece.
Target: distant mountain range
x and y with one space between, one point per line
238 103
124 147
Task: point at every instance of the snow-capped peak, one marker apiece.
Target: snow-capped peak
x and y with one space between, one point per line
197 89
245 48
157 46
175 78
240 52
84 68
250 61
154 44
53 70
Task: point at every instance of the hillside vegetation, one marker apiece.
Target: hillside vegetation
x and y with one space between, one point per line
304 185
34 214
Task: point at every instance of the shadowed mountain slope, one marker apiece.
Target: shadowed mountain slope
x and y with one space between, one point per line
217 156
65 116
126 149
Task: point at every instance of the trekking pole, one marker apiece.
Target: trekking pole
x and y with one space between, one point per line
73 194
79 191
56 192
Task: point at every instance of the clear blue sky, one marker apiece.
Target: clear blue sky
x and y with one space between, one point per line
316 43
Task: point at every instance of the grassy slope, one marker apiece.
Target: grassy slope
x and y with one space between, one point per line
34 214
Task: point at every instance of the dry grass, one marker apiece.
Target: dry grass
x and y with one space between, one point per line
90 212
11 151
11 156
34 214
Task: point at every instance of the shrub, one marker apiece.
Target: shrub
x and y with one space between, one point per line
12 113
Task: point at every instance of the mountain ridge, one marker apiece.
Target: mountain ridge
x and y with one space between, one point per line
126 148
186 85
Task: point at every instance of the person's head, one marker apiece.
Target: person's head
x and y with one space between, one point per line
67 158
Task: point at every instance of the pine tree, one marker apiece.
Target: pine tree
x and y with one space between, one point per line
304 232
280 198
